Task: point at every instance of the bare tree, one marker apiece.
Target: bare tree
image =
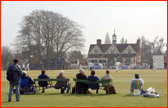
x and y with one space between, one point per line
107 39
75 54
123 41
6 56
157 45
53 32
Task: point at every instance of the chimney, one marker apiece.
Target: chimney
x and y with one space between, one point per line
98 41
138 42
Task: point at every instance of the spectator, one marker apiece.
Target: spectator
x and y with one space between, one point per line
43 83
17 73
134 79
61 84
108 77
84 86
93 78
26 81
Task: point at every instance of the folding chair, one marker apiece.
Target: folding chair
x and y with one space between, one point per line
136 84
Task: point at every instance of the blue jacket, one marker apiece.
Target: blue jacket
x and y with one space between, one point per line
17 73
26 81
93 78
43 83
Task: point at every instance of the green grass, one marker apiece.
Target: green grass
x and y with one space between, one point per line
53 98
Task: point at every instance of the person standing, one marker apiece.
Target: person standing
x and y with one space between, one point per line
17 73
23 67
28 66
154 66
101 66
118 64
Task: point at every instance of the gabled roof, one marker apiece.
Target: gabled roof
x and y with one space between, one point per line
120 47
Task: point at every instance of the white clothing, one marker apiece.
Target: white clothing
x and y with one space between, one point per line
23 66
154 66
134 79
118 66
106 77
90 64
28 67
80 67
101 66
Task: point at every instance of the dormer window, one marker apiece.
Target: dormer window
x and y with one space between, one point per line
129 51
96 52
112 51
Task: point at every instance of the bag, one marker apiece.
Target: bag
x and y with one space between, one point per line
9 76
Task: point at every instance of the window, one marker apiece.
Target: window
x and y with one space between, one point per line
96 52
129 50
112 51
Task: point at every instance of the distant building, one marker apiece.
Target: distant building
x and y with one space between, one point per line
108 54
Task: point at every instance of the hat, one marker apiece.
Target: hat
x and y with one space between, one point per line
61 72
81 70
24 72
136 74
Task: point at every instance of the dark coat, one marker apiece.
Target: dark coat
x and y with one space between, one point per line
60 84
17 73
43 83
85 86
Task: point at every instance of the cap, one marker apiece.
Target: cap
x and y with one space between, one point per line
81 70
61 72
24 72
136 74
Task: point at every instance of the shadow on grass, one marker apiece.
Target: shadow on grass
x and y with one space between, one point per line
78 95
128 95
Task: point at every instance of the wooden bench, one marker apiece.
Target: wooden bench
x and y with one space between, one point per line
37 87
95 82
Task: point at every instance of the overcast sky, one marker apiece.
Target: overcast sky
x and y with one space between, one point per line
130 19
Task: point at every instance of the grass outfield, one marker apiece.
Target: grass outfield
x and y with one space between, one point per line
53 98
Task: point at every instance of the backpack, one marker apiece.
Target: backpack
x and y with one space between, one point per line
9 76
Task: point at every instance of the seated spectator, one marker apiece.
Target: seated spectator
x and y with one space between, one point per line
108 77
62 84
43 83
93 78
135 79
84 86
26 81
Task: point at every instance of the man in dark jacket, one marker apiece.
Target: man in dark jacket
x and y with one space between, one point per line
17 73
26 81
93 78
61 84
43 83
84 86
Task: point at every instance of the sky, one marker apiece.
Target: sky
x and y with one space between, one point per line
131 19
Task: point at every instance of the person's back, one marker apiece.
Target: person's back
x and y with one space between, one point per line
107 77
17 73
93 78
43 76
26 80
60 84
81 76
135 79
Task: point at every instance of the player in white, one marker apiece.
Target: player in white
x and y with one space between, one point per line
23 67
80 67
28 66
90 65
118 64
154 66
101 66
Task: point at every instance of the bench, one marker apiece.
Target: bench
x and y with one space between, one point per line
95 82
37 87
